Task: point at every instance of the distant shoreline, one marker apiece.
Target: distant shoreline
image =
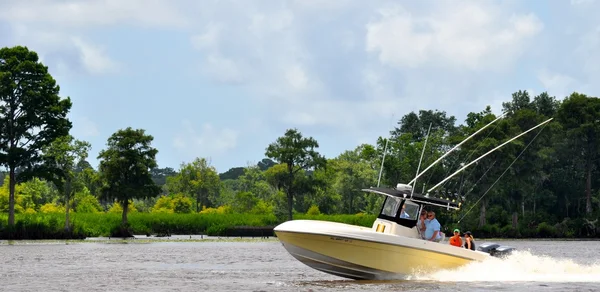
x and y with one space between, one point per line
140 239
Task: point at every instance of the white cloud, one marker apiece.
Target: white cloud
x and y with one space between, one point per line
223 69
336 65
94 58
83 128
208 39
207 141
285 55
579 2
587 50
556 84
296 77
58 27
471 36
71 14
262 24
68 53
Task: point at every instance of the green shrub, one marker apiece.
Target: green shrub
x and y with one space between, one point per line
546 230
313 210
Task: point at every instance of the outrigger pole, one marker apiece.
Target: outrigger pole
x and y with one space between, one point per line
382 160
445 154
482 156
412 190
384 152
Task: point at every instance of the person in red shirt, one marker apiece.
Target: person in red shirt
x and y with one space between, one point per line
455 239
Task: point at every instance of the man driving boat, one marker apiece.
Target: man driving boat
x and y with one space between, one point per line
432 228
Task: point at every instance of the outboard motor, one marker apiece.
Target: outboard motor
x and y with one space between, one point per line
495 249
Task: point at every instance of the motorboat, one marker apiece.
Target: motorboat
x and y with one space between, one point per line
393 247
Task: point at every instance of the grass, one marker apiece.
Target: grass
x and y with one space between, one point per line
51 225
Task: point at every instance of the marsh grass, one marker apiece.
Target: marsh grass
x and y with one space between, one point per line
51 225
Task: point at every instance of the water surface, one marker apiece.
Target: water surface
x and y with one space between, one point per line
264 265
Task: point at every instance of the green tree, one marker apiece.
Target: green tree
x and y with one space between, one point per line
125 169
65 153
198 179
32 116
352 174
298 153
85 202
37 192
88 176
580 117
417 125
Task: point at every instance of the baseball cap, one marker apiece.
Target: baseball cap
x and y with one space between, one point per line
456 230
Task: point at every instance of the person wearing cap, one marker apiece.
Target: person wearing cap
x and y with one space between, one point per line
455 239
469 241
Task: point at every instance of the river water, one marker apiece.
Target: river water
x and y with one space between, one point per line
264 265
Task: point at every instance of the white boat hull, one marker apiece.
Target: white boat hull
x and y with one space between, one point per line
360 253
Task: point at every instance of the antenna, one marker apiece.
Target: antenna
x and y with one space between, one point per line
382 160
384 152
412 190
482 156
445 154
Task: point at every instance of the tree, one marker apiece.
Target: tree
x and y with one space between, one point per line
159 175
197 179
418 125
353 173
298 153
32 116
125 169
579 116
232 173
66 153
265 164
520 100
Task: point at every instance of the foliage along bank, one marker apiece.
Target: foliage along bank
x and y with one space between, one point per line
217 223
212 222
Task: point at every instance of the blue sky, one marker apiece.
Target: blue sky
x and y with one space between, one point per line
223 79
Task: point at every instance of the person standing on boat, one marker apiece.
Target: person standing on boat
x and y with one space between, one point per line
433 227
421 223
469 241
455 239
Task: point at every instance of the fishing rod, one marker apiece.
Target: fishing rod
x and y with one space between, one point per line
484 155
454 148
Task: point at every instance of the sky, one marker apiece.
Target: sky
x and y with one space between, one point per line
224 79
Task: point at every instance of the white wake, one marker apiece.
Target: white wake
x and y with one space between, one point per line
521 266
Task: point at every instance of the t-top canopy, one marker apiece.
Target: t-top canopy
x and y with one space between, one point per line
418 198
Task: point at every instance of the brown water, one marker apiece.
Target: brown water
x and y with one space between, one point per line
265 266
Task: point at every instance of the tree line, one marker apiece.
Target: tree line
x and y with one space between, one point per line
543 181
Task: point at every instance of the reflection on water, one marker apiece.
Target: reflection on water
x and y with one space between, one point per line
263 265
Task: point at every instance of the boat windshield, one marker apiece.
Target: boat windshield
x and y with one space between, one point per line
391 207
403 212
411 211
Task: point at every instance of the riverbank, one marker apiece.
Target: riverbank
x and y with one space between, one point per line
142 239
138 239
84 225
160 225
